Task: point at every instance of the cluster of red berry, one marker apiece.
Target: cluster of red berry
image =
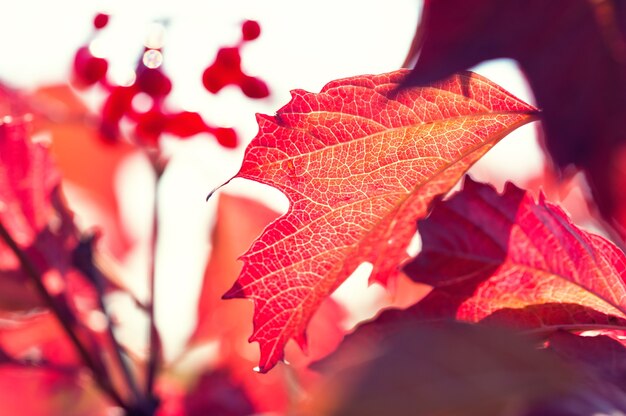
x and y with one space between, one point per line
151 80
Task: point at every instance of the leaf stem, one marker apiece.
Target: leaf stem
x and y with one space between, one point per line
35 276
96 276
153 334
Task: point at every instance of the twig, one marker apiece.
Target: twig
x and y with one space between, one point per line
31 270
84 261
153 336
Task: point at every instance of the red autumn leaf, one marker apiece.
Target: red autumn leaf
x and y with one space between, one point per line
216 393
38 338
359 164
31 213
30 391
239 222
446 368
600 363
603 357
574 55
27 180
506 259
43 229
81 154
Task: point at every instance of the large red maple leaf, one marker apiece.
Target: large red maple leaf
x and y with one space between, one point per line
574 55
360 163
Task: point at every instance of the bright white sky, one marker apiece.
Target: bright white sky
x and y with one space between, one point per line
303 45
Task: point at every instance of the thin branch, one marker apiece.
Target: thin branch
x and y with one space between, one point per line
35 276
153 336
95 275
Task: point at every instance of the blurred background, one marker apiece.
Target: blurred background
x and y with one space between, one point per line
302 45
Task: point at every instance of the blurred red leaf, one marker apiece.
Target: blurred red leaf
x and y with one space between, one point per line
45 366
216 393
83 157
447 368
27 183
603 357
600 362
38 338
41 230
36 392
506 259
359 164
27 180
239 221
574 54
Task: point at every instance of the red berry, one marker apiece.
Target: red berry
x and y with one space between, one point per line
250 30
213 80
153 82
254 87
150 126
185 124
228 58
88 69
116 106
118 103
226 137
100 20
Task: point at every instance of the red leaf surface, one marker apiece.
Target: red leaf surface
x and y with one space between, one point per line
27 182
27 179
446 368
574 55
600 362
506 259
83 156
603 357
33 391
238 222
80 153
359 164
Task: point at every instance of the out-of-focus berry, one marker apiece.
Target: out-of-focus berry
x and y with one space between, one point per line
254 87
88 69
100 20
250 30
226 137
153 82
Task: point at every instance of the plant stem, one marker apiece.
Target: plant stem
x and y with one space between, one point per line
130 379
35 276
153 335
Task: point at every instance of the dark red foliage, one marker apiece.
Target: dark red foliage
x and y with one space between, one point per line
574 55
216 394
